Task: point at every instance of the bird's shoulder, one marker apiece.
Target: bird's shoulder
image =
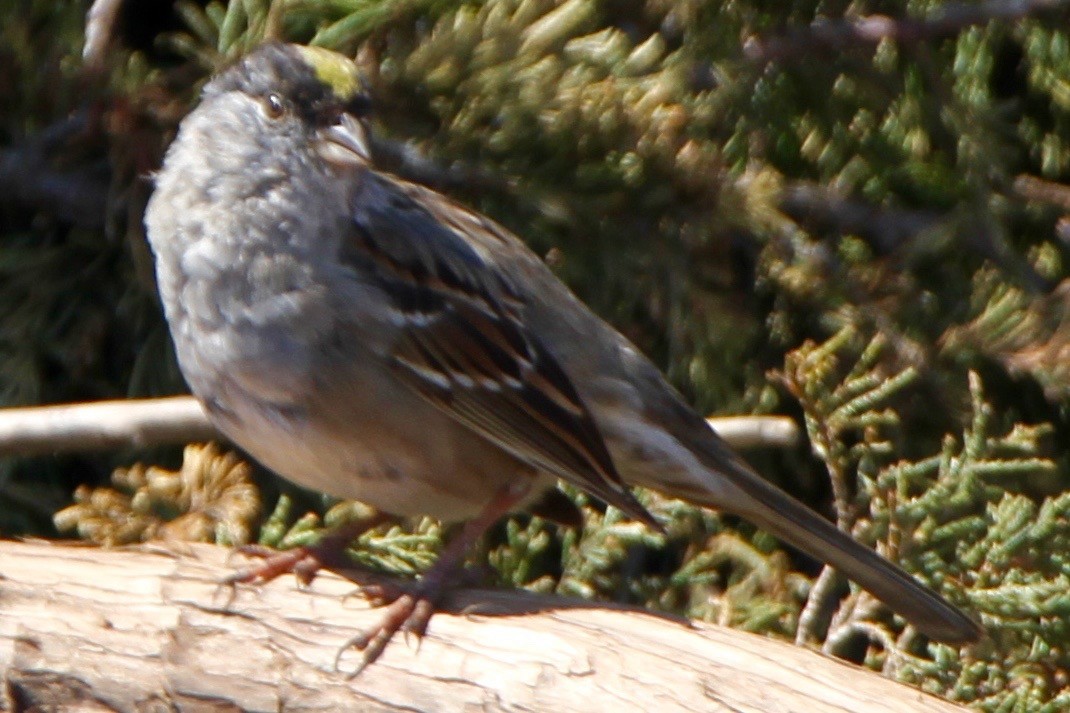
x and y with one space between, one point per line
439 241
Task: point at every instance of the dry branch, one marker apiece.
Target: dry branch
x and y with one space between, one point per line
179 419
868 30
89 629
102 425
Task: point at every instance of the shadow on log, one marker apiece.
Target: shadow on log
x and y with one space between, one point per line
148 628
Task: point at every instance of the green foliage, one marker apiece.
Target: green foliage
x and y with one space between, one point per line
395 549
953 519
724 182
699 569
1027 335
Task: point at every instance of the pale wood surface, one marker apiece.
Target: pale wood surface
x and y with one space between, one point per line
99 425
96 425
148 629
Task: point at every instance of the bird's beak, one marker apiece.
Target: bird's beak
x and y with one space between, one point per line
344 144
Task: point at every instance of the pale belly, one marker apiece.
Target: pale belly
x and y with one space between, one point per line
326 419
380 454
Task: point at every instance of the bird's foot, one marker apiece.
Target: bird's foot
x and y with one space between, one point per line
406 609
304 562
409 609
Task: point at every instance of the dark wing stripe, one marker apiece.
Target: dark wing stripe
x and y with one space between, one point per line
548 389
457 347
551 441
466 348
494 420
521 421
522 447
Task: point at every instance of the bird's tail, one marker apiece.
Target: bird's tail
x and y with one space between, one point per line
777 512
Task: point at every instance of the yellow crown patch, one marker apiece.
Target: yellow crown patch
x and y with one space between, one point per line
335 70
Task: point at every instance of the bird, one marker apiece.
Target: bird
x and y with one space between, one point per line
373 339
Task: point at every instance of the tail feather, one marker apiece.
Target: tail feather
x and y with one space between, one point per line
788 519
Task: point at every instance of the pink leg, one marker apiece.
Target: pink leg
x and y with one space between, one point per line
410 612
304 562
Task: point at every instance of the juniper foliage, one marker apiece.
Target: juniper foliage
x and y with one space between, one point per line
866 197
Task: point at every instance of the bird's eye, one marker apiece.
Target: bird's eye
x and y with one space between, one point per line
274 106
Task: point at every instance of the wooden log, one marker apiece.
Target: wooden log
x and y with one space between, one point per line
149 628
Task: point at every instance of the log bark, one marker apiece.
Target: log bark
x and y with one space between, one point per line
148 629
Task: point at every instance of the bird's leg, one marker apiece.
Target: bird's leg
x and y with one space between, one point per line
305 562
411 611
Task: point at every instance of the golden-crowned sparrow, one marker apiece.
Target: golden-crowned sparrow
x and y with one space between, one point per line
372 339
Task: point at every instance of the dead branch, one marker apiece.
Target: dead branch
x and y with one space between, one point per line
180 419
867 30
102 425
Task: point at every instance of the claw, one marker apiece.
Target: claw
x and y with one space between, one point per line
232 592
252 550
408 613
419 618
371 643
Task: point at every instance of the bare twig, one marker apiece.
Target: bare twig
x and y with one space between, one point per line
889 230
99 27
1040 190
756 431
102 425
818 605
838 35
884 228
180 419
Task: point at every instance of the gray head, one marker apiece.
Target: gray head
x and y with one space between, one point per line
282 103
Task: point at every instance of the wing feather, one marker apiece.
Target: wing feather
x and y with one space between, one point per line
464 344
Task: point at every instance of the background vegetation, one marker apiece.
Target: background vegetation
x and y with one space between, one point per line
851 212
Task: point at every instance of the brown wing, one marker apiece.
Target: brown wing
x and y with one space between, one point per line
465 347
